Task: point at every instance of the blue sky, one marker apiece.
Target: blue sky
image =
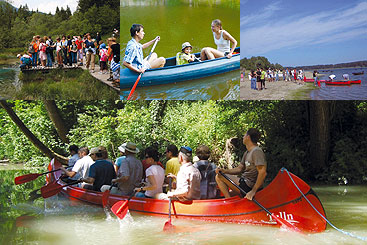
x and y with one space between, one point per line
46 6
301 32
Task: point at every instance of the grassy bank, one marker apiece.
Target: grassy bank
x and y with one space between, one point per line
63 85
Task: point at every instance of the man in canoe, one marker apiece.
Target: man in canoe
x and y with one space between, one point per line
81 167
188 179
129 174
134 59
101 172
252 168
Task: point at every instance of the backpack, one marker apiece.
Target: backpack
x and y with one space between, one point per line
43 47
208 185
31 49
103 53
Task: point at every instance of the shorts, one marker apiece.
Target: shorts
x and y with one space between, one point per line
116 74
244 186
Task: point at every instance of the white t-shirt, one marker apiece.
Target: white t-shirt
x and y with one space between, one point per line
158 173
81 167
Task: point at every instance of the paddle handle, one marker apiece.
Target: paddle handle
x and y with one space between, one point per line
122 206
170 200
137 80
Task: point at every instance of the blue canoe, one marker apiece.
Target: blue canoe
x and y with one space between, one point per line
171 73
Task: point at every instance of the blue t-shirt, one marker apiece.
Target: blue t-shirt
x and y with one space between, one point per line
119 161
134 54
103 172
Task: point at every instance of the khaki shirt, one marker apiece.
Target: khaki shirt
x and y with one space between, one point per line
250 160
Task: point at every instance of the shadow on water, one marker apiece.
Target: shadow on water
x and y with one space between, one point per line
225 86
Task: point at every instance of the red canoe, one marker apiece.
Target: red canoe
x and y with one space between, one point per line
356 82
281 197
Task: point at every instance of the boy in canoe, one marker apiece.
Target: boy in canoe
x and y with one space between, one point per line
252 168
184 57
134 59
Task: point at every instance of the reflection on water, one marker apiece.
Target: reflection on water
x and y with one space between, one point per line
351 92
60 221
177 22
224 86
9 81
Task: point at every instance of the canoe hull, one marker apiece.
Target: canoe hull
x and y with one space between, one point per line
172 74
286 203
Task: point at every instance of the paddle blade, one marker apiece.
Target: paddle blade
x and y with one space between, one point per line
25 178
286 224
120 208
105 197
50 190
168 227
134 87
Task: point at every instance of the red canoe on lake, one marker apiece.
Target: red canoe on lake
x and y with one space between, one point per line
281 197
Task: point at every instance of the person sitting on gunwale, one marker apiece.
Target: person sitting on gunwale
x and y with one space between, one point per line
252 168
101 172
129 174
154 175
184 57
81 167
188 179
134 59
222 39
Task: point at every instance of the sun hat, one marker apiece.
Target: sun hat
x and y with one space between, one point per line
95 150
185 45
122 147
130 147
19 55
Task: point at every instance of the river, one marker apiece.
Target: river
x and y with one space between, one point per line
9 81
177 22
59 221
351 92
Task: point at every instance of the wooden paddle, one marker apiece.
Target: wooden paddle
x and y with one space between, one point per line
120 208
278 219
29 177
168 227
106 195
137 80
54 188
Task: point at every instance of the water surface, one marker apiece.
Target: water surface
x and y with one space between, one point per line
350 92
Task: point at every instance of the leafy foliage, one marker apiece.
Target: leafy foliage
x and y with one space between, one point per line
259 62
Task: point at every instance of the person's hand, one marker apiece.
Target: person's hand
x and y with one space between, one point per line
114 181
217 170
142 70
229 55
170 175
138 189
170 194
250 194
157 38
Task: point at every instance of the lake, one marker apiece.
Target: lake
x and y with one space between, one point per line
177 22
9 81
351 92
60 221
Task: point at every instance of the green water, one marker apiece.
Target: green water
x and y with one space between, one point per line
60 221
177 22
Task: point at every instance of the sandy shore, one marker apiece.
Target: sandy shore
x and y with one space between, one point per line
280 90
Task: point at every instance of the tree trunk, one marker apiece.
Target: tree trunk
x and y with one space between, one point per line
35 141
54 114
320 118
234 152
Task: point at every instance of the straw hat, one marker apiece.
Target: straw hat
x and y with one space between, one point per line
130 147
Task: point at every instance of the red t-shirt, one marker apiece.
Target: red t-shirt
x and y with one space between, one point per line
79 44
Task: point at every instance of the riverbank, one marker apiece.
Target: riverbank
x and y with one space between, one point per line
281 90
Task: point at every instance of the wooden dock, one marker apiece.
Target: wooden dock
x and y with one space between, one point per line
100 77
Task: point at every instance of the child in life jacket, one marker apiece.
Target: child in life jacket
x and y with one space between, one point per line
184 57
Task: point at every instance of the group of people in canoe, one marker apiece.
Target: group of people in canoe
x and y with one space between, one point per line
193 177
135 61
69 51
259 76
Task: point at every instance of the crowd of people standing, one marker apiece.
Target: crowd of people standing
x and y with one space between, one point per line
73 51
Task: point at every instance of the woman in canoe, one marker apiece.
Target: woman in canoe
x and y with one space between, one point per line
223 40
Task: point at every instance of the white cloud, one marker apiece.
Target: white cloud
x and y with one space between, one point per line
326 27
47 6
250 18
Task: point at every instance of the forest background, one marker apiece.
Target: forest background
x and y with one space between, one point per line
320 141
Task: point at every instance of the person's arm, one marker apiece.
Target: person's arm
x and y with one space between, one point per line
133 68
234 171
228 36
145 45
70 174
152 186
88 180
259 181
